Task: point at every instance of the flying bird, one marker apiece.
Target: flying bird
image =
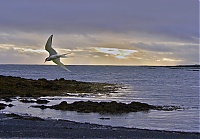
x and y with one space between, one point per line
53 55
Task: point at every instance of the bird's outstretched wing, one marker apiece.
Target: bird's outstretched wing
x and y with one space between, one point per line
57 61
48 46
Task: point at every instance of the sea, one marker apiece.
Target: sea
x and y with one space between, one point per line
155 85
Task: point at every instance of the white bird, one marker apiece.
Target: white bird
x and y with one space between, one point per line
53 55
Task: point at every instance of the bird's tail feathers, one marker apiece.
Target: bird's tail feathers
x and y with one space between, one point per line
64 55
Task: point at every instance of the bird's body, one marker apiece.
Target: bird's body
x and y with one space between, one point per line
53 55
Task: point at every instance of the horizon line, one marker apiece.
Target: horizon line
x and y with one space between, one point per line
106 65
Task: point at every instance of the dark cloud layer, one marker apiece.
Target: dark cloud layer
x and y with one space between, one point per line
177 18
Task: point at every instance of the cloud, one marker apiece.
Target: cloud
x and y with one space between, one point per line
114 31
177 18
118 53
168 59
14 55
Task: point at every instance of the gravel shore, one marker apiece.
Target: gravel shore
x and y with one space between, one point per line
14 126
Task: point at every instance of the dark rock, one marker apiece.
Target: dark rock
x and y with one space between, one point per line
10 105
42 101
104 118
2 106
27 101
6 99
106 107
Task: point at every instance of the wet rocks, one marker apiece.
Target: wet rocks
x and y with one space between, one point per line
104 118
27 101
16 86
6 99
3 106
42 101
38 101
112 107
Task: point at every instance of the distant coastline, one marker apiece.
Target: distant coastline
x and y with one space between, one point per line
196 65
189 65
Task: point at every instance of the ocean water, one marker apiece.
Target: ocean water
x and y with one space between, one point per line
178 86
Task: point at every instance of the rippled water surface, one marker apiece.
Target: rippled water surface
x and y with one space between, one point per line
152 85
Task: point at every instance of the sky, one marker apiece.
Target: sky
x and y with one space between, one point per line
101 32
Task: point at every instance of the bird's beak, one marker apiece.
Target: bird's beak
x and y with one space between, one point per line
44 60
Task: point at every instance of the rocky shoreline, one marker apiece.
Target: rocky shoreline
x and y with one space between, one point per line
17 86
12 125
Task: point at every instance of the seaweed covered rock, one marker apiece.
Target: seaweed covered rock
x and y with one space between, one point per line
112 107
17 86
